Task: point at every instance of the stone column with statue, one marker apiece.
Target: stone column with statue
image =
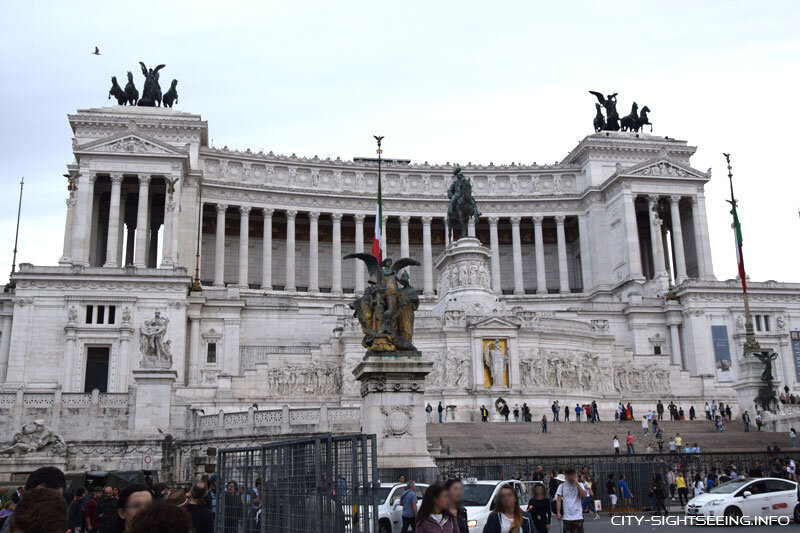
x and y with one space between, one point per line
154 377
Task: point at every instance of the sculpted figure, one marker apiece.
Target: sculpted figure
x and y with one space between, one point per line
155 349
151 93
171 96
117 92
462 205
386 310
495 359
33 437
610 105
131 93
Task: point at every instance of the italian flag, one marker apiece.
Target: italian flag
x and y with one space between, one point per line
737 232
378 235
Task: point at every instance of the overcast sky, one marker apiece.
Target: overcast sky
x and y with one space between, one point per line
443 81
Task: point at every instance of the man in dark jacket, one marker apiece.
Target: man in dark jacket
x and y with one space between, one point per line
75 513
202 519
107 511
455 489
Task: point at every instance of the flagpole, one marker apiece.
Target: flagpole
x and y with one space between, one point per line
751 344
16 235
379 212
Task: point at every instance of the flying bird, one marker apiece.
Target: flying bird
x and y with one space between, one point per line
96 51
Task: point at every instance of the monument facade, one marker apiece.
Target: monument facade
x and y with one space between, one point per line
587 279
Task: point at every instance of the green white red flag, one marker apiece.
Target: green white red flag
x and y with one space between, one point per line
737 232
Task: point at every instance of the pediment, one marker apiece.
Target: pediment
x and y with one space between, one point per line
494 322
665 167
130 143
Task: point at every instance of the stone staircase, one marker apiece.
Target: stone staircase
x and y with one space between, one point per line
477 439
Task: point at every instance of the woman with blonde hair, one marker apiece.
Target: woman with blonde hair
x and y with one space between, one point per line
507 516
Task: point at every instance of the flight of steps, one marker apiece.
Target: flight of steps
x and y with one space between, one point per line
477 439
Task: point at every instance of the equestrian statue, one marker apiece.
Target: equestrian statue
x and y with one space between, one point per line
462 205
635 121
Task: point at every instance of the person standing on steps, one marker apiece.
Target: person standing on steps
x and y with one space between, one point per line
484 414
429 413
645 424
660 410
516 412
566 413
440 409
746 421
759 421
616 445
544 423
595 412
629 444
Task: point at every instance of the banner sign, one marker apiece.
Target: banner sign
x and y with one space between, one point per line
795 336
722 353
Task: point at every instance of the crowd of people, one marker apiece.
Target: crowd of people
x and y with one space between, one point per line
40 507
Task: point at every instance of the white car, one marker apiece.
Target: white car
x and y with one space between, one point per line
479 498
747 497
390 510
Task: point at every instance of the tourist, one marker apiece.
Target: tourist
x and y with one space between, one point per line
107 511
746 421
793 437
484 414
17 494
8 509
409 502
539 509
516 412
526 413
434 512
720 424
615 443
660 410
132 499
555 408
679 442
683 493
595 412
161 517
611 490
566 413
645 424
544 423
714 408
401 479
40 510
625 493
455 489
671 446
92 522
629 444
46 477
620 411
505 411
759 421
671 483
252 503
568 503
202 519
440 410
708 411
692 413
698 487
658 493
429 412
539 474
75 515
649 449
578 411
211 495
232 506
681 415
728 412
629 409
507 516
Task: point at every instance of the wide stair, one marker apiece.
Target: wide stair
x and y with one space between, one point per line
477 439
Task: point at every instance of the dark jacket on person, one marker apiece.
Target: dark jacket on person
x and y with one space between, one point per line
429 525
107 508
461 519
493 524
202 519
75 515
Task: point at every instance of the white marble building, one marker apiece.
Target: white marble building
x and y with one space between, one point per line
580 255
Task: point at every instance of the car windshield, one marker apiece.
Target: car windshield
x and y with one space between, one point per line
476 495
729 487
383 492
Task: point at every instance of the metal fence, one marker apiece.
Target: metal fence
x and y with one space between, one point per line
316 485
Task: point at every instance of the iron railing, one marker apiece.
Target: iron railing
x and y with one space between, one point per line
314 485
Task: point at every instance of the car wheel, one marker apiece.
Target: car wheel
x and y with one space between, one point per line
733 512
797 513
385 527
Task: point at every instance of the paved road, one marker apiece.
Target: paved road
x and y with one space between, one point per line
630 523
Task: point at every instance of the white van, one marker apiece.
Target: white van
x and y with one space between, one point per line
479 498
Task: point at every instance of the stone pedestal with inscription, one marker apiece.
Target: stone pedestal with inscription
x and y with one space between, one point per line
153 399
465 282
392 407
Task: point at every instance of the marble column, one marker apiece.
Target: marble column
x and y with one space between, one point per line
66 254
360 249
471 227
516 245
587 281
701 239
494 244
656 240
266 252
244 245
313 252
112 242
563 272
427 256
81 228
632 235
5 345
384 244
142 222
677 239
194 349
336 258
541 273
706 240
289 285
787 358
446 233
404 236
675 338
167 242
219 247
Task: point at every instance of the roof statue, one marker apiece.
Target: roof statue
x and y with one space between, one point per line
151 92
386 309
635 121
462 205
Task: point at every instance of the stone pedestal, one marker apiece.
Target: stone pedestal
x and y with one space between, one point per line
392 407
153 399
465 282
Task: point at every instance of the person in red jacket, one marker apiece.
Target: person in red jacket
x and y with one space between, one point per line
92 522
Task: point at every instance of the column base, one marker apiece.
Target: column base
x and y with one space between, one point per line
110 264
541 292
139 265
266 287
65 261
